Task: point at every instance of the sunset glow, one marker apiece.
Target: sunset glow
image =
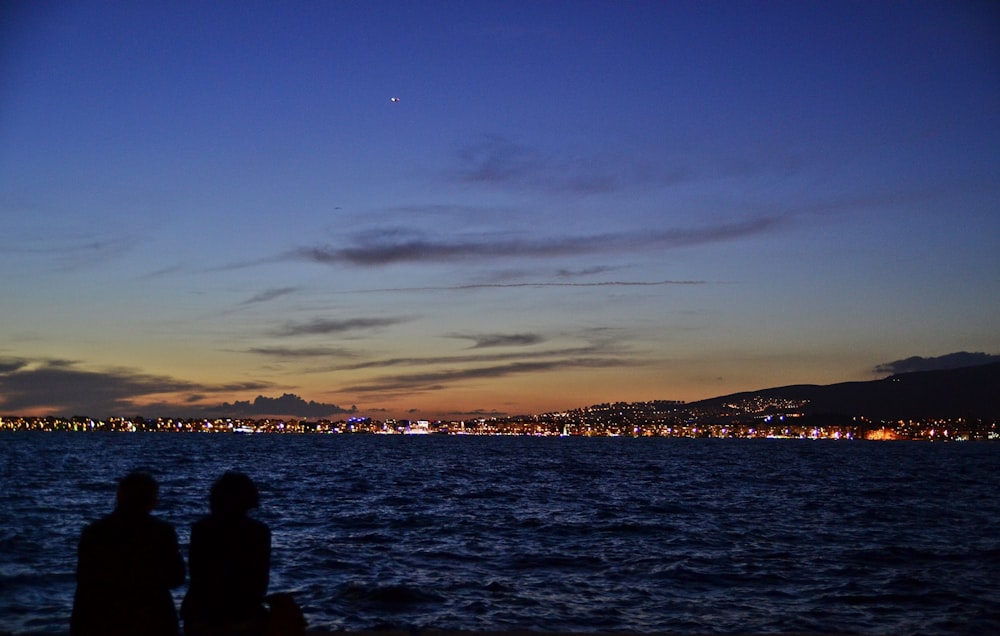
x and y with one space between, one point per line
446 210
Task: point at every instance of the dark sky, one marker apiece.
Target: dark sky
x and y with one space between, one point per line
568 203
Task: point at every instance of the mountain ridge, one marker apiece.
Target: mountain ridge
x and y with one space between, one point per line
972 391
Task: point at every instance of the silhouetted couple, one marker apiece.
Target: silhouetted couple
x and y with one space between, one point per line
129 561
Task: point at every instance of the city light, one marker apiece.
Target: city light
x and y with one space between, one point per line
634 419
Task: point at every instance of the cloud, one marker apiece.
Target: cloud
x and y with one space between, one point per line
949 361
587 271
303 352
60 387
602 347
497 159
160 273
461 359
494 160
483 341
435 380
472 286
8 365
322 326
71 251
376 249
288 404
269 294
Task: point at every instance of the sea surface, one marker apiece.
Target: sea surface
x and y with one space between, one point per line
554 534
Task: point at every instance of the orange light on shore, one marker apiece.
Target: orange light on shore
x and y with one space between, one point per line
882 434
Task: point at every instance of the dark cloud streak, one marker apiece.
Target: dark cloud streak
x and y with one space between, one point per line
305 352
589 271
393 247
955 360
593 350
473 286
485 341
269 294
435 380
322 326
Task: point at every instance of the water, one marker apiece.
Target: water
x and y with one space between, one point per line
554 534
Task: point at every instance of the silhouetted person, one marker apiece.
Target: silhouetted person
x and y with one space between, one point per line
127 562
230 560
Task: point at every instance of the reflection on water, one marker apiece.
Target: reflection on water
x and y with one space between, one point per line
549 534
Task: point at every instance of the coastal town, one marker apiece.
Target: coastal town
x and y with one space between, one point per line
753 418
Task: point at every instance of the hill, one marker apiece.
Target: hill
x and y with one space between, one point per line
966 392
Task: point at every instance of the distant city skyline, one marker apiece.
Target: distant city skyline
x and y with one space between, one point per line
445 210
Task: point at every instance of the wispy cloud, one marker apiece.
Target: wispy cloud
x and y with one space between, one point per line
418 361
435 380
601 343
473 286
269 294
322 326
486 341
303 352
68 252
161 273
495 160
587 271
375 249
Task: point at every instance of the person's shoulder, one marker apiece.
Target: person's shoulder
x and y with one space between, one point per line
100 526
204 526
247 523
256 527
161 527
263 527
97 523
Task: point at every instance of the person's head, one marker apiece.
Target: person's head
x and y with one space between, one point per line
233 494
137 493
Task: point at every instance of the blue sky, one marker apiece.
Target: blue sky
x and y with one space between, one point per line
570 202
